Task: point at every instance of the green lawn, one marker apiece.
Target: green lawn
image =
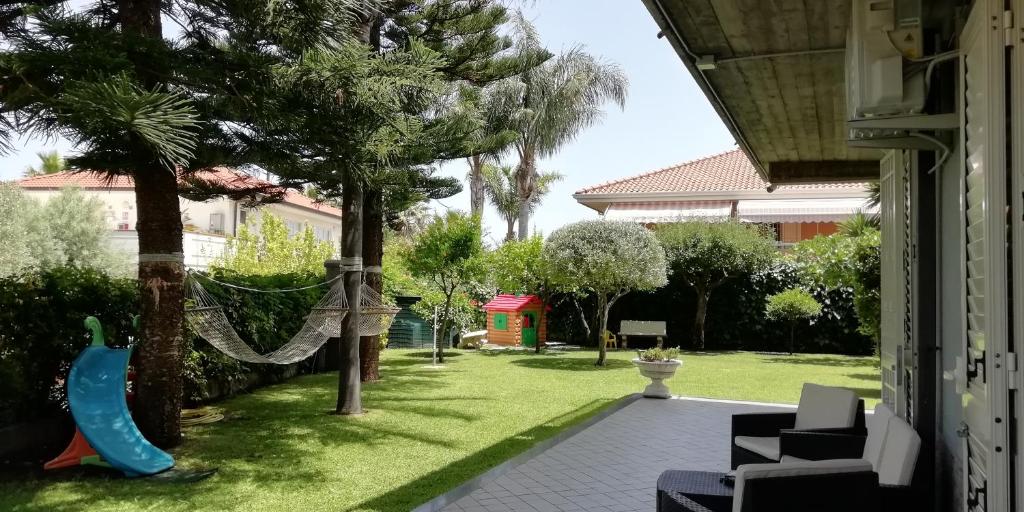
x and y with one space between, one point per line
426 430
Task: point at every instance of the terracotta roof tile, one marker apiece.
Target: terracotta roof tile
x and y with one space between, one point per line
725 172
228 178
507 302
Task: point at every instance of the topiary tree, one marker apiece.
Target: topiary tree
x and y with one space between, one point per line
448 255
705 254
607 258
791 306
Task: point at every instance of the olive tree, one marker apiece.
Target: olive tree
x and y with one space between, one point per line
609 259
703 255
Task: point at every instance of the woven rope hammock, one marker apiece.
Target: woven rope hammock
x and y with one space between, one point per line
375 315
206 318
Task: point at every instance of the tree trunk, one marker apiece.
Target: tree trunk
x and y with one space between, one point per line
349 386
602 311
476 184
526 182
698 322
159 355
583 318
373 254
792 336
510 234
443 334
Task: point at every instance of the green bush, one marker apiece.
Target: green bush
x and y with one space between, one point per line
41 331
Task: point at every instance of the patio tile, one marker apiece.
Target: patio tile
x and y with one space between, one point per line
613 465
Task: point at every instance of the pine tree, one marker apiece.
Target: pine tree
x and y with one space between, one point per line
155 103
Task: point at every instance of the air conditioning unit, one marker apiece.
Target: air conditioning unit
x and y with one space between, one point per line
884 37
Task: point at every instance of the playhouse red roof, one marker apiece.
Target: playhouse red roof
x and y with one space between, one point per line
507 302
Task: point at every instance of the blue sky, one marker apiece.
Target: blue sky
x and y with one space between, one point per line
667 119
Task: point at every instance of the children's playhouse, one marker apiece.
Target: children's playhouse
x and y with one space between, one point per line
515 320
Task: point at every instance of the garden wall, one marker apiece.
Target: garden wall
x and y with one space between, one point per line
736 319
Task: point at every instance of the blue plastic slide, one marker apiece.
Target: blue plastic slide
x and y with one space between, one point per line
96 396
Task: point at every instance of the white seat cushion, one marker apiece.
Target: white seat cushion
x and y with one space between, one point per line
825 407
899 456
814 467
878 425
786 459
763 446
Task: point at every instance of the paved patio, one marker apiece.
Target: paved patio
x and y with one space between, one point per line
613 465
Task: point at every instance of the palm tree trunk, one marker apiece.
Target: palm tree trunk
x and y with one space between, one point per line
373 255
476 184
525 185
698 322
510 234
349 386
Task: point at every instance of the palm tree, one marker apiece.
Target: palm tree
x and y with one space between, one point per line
551 104
50 162
500 186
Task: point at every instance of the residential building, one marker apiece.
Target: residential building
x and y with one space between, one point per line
207 224
728 185
927 98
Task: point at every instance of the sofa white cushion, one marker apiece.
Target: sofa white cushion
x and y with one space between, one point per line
899 456
785 469
825 407
786 459
763 446
878 425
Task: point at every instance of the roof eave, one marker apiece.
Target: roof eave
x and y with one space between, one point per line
669 30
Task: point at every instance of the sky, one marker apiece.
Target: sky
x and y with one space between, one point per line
666 121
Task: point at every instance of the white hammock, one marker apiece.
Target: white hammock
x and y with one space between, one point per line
375 315
206 318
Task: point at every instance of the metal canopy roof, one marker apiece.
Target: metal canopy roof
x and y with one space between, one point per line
778 81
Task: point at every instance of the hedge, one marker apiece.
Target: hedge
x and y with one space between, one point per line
41 332
736 318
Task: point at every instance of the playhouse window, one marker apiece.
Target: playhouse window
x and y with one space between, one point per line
501 321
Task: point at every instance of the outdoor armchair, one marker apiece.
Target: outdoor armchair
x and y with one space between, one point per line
757 438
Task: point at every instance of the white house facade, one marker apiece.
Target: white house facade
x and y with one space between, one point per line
208 224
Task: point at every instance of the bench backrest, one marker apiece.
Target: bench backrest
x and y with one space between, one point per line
642 328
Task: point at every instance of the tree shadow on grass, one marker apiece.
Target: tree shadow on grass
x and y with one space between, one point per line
573 364
448 353
267 437
426 487
833 361
874 377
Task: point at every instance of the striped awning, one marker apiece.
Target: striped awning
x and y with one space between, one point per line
801 210
669 211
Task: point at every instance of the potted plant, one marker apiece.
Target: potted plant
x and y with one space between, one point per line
657 364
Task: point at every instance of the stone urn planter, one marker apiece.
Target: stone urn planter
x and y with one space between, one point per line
657 371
